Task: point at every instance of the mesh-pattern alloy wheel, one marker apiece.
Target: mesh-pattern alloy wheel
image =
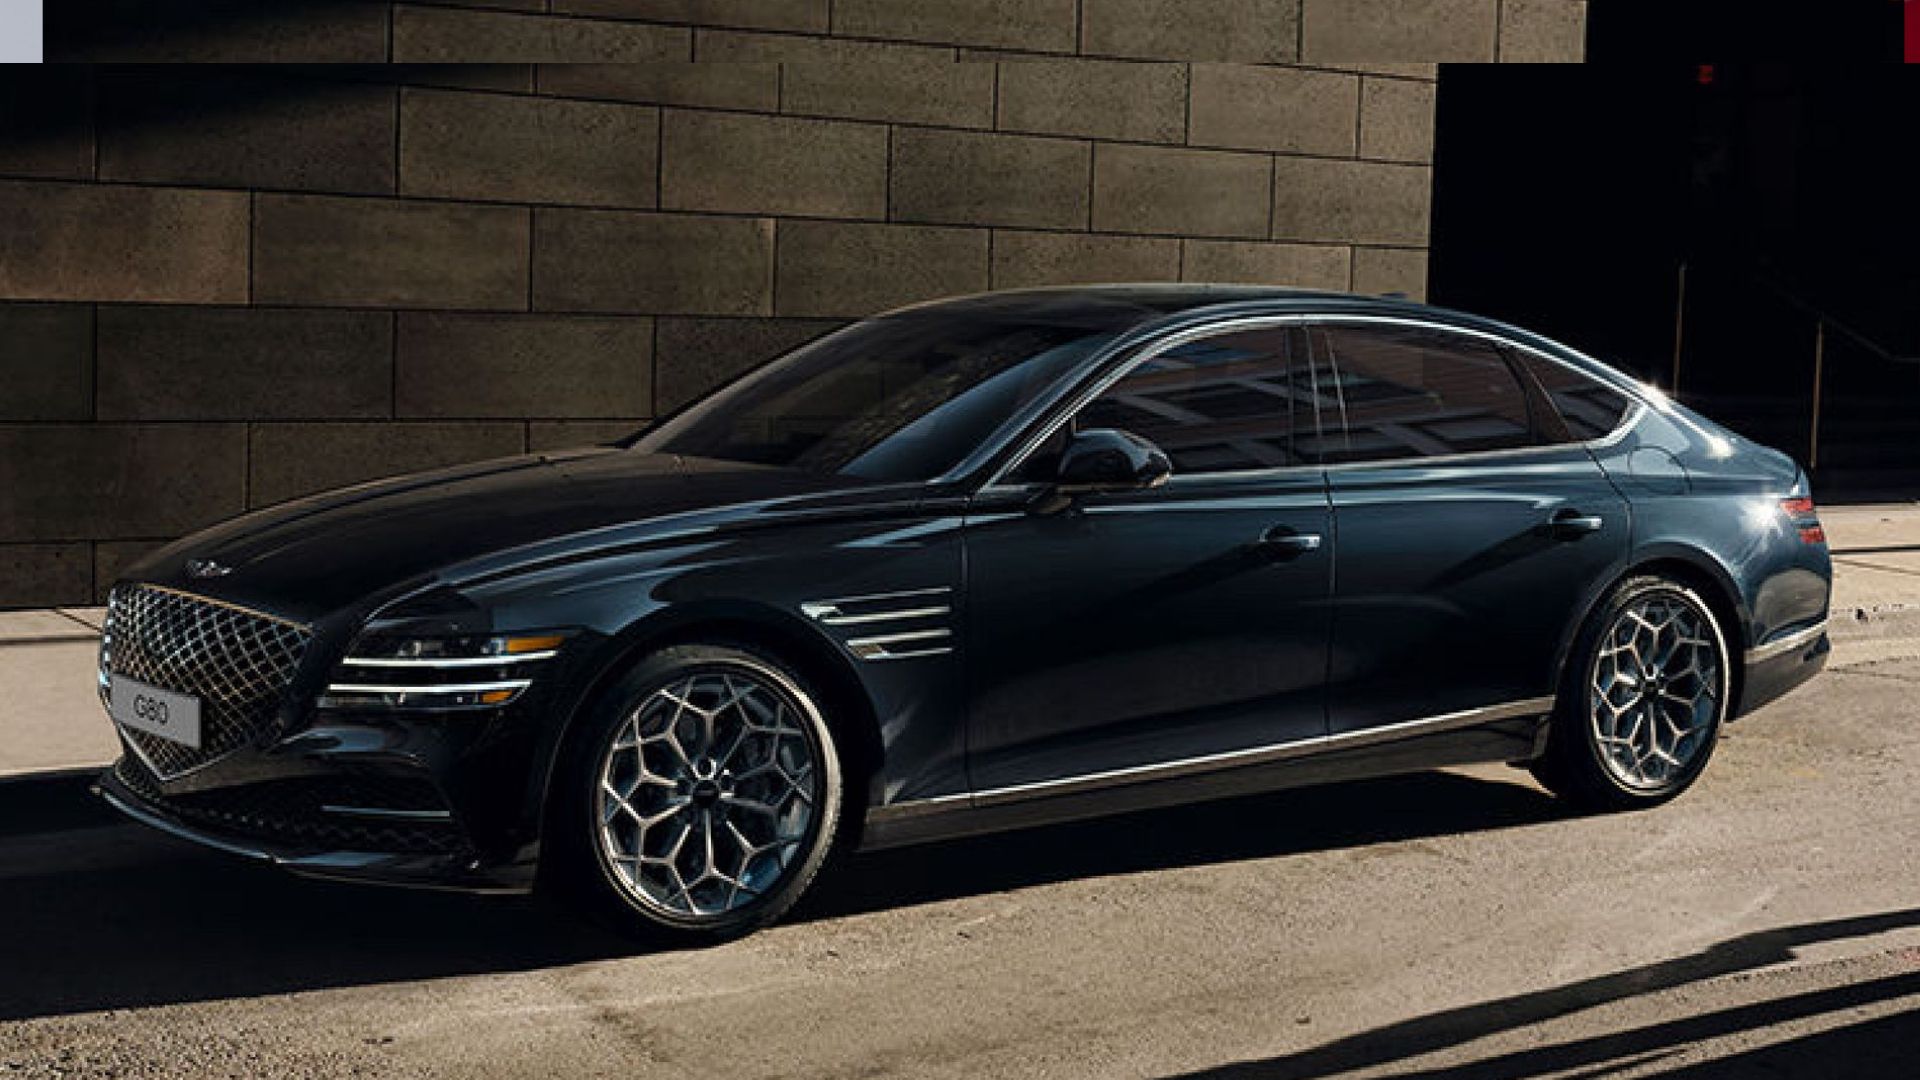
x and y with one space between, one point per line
1656 690
712 793
1645 690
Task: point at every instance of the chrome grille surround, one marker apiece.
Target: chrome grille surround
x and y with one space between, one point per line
237 661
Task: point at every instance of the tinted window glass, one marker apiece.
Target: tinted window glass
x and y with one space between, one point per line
1409 392
903 397
1220 404
1591 409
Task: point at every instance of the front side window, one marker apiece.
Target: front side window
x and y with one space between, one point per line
1590 408
1218 404
1389 392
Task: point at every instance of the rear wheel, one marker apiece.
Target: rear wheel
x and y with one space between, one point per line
705 795
1646 692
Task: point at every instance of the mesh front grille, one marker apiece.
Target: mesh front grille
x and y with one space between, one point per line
239 664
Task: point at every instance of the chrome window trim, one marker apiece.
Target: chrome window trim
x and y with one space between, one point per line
1149 351
1210 763
1787 643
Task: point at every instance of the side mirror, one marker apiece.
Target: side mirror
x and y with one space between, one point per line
1108 460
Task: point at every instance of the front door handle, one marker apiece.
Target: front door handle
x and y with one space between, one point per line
1572 523
1285 543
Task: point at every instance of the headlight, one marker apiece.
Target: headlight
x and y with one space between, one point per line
469 672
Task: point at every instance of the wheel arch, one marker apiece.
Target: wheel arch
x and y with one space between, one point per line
849 710
1699 571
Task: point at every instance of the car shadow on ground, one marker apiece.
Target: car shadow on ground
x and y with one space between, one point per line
99 913
1851 1049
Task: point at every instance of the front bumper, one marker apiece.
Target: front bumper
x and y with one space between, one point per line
453 868
385 827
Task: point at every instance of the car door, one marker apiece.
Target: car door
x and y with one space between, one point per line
1128 630
1473 531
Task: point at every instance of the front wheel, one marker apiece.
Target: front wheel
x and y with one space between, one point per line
1646 691
705 795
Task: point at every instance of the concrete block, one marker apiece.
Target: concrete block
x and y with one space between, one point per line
1101 99
569 434
754 86
981 178
905 88
1290 110
1396 120
682 264
311 249
746 47
1361 202
804 16
523 366
118 480
738 163
492 146
159 363
216 31
46 121
1237 31
1306 266
291 460
208 125
1028 259
831 269
1424 31
46 362
1545 31
1031 25
446 35
696 355
1150 189
82 242
1385 270
46 575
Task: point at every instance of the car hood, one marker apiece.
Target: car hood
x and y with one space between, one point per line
320 554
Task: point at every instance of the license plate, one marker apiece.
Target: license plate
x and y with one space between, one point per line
169 715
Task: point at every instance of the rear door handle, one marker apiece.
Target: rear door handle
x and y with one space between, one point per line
1286 543
1571 523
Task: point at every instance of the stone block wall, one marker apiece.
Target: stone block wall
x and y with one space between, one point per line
222 287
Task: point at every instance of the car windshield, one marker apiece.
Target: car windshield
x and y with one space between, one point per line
902 397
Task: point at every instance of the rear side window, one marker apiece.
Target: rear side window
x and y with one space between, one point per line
1219 404
1591 409
1388 392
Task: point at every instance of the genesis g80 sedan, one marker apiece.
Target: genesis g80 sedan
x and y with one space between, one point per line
972 565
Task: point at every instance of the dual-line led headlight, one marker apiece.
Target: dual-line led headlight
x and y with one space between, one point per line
467 672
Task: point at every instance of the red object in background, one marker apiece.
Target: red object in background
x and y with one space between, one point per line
1704 74
1913 31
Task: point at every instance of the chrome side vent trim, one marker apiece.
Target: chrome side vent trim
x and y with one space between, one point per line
930 608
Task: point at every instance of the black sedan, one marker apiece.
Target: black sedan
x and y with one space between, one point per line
968 566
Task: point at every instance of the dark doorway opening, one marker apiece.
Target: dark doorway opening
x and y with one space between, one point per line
1582 200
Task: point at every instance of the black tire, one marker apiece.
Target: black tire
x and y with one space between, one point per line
638 898
1576 766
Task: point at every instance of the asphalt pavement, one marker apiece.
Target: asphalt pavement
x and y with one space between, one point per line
1456 923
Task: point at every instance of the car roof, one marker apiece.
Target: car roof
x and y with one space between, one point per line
1152 309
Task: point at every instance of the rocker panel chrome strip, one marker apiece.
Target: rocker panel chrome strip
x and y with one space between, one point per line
1207 763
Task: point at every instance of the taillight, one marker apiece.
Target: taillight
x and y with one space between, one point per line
1800 511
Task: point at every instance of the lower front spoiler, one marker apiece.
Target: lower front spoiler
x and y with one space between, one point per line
461 873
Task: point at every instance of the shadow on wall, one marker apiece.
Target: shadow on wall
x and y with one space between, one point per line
174 30
105 914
